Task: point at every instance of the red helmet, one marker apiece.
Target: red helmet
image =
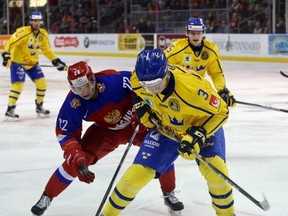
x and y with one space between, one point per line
79 74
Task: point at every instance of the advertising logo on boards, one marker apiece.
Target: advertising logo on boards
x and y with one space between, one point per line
135 42
164 40
88 42
66 41
278 44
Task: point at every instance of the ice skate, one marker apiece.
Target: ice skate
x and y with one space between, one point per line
10 114
40 207
174 205
40 110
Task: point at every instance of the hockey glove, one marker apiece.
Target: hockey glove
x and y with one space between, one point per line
6 57
85 174
192 142
135 122
77 158
228 97
143 112
59 64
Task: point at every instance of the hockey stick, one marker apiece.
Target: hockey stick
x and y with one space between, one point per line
117 171
262 106
43 65
284 74
263 205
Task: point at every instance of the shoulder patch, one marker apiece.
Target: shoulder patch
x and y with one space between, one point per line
75 102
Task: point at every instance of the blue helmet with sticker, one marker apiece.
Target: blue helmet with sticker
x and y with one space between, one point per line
151 65
195 24
36 15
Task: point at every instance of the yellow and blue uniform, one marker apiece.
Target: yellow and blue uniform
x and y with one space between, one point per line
25 47
205 60
188 100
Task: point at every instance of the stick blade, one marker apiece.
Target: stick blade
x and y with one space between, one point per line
283 74
264 204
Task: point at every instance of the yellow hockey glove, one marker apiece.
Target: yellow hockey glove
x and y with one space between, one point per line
192 142
143 112
228 97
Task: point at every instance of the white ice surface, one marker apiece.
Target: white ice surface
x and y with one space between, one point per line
256 140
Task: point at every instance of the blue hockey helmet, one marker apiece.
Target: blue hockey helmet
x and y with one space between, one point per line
195 24
36 15
151 66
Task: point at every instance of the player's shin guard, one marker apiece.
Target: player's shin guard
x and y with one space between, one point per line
220 191
15 92
60 180
41 87
134 179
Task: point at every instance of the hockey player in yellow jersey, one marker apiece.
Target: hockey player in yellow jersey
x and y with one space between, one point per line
21 54
187 105
200 55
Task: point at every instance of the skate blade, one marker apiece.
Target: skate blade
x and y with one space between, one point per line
42 115
174 213
10 119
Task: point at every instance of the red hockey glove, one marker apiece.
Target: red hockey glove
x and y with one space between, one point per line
85 174
75 157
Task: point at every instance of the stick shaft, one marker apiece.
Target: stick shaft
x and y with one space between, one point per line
117 171
263 205
262 106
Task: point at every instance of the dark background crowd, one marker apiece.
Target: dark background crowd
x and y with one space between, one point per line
150 16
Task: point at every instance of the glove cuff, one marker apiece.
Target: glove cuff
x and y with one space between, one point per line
71 145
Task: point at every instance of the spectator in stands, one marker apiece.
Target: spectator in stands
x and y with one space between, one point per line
150 28
267 27
258 27
248 26
141 26
223 27
280 26
234 22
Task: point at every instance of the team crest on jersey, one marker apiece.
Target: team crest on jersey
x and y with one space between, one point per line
75 102
214 101
175 121
174 105
100 87
113 117
40 38
205 55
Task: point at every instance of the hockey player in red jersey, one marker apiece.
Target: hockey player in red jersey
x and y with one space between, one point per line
105 99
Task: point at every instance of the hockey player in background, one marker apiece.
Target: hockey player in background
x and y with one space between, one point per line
187 105
105 99
21 53
201 56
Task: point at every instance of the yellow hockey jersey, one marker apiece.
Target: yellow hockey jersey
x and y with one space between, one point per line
25 47
189 100
206 60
